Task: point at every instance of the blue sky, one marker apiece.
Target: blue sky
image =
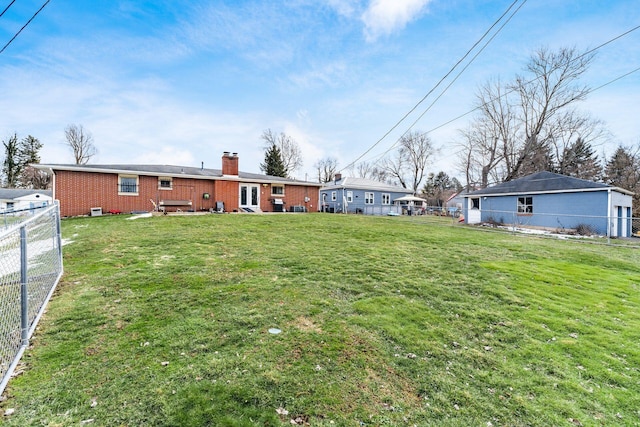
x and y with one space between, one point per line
179 82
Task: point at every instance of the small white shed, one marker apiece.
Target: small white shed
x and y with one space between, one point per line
21 199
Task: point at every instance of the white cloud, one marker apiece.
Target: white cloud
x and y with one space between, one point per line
166 155
343 7
329 74
383 17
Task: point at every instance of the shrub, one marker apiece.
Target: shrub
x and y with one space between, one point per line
585 230
493 222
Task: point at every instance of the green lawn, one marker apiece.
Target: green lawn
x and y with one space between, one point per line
396 321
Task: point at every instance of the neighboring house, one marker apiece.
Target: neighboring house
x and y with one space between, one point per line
359 195
20 199
552 201
455 202
96 189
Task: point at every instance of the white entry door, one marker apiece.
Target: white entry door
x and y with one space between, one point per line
250 197
474 214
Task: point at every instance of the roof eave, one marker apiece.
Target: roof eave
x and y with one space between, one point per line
79 168
569 190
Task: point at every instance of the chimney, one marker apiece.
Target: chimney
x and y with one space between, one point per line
338 177
229 163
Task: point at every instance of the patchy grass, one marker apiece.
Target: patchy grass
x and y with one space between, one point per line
385 321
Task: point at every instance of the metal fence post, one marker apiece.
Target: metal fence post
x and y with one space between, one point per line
24 280
58 232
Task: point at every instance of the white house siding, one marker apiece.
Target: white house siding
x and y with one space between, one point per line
25 202
620 214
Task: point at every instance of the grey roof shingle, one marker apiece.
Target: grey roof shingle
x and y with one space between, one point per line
540 182
364 184
14 193
172 171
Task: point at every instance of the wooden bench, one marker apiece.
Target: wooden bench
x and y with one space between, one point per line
164 204
175 203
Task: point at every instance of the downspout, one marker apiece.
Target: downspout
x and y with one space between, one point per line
609 211
53 185
344 201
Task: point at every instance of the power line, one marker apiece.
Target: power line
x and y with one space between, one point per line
452 82
503 95
435 87
526 83
7 8
600 46
24 26
620 77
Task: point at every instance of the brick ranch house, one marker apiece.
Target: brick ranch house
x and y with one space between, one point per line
83 189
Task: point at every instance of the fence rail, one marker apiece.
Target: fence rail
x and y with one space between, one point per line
30 269
618 226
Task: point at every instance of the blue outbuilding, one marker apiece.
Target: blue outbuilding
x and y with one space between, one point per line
551 201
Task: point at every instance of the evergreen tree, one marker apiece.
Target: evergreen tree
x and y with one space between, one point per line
29 153
439 187
537 157
16 169
12 165
30 150
579 160
273 164
623 170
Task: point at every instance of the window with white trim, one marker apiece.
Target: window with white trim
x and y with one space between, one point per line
128 185
334 196
349 196
165 183
277 190
368 198
386 198
525 205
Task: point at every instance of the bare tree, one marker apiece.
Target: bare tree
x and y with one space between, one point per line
289 149
370 171
326 169
409 162
35 178
572 147
524 126
546 97
394 167
81 143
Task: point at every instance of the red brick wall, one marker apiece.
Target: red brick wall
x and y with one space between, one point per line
230 164
294 195
228 192
78 192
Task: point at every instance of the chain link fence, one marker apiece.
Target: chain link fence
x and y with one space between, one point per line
609 227
11 217
30 268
